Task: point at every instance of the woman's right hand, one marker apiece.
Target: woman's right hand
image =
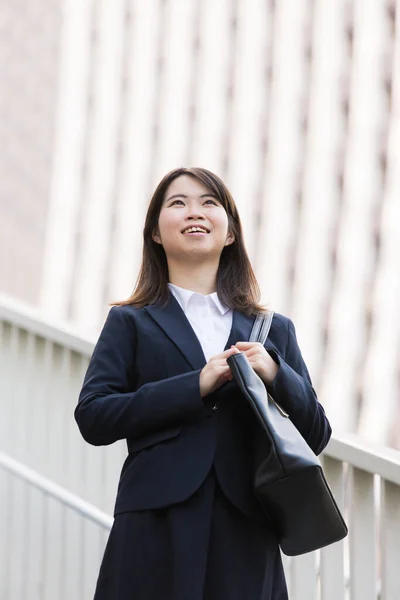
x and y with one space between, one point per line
216 372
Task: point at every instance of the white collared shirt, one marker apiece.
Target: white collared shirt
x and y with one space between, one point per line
209 318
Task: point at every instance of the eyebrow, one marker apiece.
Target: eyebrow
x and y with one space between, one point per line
184 196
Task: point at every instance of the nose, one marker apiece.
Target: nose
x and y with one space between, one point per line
194 214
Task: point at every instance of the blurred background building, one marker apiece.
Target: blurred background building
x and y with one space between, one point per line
295 104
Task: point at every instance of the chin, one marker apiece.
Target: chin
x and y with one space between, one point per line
198 253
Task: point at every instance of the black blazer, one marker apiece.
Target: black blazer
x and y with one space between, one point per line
142 385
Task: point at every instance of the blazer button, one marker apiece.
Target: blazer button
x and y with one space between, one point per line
214 407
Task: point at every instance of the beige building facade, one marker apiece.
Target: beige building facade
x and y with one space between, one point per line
30 35
295 104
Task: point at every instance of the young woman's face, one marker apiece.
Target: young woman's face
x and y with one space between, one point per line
189 203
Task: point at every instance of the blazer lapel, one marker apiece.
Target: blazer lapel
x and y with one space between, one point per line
177 327
241 329
174 323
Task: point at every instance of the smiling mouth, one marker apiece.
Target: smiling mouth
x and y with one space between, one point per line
196 231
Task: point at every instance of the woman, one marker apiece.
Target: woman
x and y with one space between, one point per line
187 524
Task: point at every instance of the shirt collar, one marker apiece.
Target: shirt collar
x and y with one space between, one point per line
183 296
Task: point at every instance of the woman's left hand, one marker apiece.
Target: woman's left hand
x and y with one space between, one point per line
262 363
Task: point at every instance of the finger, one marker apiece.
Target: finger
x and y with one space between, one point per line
221 367
246 345
227 374
253 351
256 350
229 352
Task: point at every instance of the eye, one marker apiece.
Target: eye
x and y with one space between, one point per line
212 202
175 201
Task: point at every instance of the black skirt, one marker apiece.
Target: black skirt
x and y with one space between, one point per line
200 549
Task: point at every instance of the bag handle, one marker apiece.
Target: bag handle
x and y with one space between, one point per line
261 327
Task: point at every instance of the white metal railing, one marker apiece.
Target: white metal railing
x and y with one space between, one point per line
49 488
51 540
56 539
41 371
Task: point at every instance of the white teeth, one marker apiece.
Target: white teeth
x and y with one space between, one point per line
195 229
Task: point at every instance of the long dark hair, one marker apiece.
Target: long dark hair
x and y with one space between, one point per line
237 286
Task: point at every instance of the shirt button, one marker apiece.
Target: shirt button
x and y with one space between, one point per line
214 407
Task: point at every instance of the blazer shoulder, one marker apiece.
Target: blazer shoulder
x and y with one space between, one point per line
121 318
280 324
125 311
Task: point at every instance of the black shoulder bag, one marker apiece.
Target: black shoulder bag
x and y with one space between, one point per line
289 481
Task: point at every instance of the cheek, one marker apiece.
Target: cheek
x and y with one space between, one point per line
166 223
221 224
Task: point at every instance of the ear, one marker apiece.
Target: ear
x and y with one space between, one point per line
229 239
156 237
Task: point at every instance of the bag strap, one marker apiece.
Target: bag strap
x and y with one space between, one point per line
261 327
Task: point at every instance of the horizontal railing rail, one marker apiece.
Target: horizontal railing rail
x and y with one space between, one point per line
55 491
367 456
51 540
33 321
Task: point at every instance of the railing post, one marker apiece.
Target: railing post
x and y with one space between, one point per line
390 567
303 580
362 537
332 557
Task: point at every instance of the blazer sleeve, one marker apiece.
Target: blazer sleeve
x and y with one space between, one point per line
292 389
109 410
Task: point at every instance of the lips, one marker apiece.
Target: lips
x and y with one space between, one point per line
201 228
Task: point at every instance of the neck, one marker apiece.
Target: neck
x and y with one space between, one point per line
200 278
